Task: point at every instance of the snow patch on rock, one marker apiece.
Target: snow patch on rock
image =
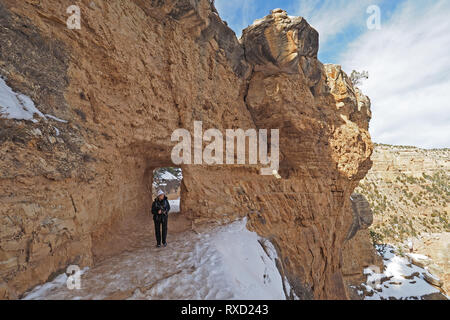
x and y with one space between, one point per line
16 105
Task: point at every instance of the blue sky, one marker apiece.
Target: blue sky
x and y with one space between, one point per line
408 59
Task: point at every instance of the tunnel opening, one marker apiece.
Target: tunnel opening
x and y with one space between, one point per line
132 227
168 180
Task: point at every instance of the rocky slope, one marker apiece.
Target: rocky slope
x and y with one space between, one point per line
408 191
136 71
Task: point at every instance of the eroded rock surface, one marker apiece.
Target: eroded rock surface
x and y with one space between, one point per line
362 214
359 252
136 71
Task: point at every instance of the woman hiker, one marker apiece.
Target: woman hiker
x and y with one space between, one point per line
160 211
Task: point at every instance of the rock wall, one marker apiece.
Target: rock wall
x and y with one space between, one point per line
136 71
358 252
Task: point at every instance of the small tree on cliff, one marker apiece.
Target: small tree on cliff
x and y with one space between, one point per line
356 77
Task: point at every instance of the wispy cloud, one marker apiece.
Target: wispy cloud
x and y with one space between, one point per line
409 74
333 17
408 59
237 13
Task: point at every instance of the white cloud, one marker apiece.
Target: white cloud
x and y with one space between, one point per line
408 59
409 74
332 17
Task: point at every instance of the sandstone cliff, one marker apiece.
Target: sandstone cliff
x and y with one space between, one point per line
136 71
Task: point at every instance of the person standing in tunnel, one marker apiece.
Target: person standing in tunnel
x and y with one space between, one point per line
160 211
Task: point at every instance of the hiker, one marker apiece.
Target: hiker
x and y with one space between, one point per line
410 246
160 211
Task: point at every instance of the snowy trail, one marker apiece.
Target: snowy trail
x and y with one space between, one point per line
221 262
227 262
400 279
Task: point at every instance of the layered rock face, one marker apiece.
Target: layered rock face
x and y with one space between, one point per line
394 161
136 71
362 214
358 252
407 189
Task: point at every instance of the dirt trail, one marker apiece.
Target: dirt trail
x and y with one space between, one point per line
134 273
214 262
135 233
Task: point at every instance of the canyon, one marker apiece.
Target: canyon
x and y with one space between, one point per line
113 92
408 191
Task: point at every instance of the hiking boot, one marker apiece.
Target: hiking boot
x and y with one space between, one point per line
158 246
165 244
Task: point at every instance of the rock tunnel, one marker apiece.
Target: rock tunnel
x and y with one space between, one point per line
122 95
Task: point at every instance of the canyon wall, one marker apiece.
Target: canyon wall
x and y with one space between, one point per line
393 161
408 191
136 71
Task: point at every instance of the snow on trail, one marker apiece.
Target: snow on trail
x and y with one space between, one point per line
174 206
227 262
400 279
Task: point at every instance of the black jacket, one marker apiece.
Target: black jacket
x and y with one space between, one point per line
162 205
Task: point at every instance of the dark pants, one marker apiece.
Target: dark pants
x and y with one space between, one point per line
160 221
